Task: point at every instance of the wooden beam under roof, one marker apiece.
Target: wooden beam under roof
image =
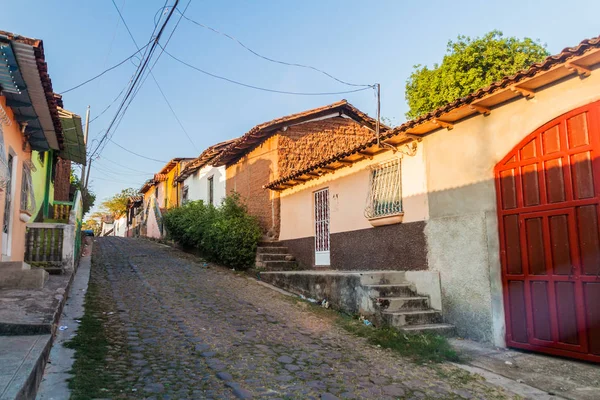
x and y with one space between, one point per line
480 109
583 71
345 162
443 124
523 92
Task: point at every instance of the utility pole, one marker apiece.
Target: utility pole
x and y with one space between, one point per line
85 140
378 89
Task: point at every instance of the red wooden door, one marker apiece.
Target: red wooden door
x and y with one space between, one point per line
548 191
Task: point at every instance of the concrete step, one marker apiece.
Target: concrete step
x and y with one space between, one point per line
280 265
400 319
393 304
271 250
23 279
390 290
382 277
14 266
268 243
446 330
274 257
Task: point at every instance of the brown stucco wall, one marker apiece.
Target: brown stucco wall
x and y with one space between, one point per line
247 177
400 247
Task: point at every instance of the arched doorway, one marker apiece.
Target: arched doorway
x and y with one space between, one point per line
548 194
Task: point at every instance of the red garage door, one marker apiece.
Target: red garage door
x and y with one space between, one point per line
548 190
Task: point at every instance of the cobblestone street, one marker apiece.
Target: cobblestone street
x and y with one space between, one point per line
179 330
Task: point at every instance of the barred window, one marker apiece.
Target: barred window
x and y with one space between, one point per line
385 190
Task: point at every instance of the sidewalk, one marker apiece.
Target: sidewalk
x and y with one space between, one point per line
54 385
559 377
28 320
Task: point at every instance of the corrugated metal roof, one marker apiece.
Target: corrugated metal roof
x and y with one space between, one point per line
74 144
29 70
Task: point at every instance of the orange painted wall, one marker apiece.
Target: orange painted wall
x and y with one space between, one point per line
13 142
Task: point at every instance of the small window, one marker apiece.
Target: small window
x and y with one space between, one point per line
385 190
184 194
211 189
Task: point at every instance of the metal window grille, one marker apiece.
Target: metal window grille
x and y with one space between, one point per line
322 220
385 190
211 190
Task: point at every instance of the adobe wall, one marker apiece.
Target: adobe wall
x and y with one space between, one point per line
247 177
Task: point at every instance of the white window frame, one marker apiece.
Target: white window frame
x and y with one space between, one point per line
385 190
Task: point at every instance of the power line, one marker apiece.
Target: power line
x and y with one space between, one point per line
103 158
105 71
106 168
132 86
136 154
258 87
268 58
164 96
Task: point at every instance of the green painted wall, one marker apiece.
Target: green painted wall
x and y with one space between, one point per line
43 188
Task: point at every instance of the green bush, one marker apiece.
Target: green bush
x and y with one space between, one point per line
226 234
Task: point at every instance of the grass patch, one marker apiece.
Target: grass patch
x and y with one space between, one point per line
91 378
421 348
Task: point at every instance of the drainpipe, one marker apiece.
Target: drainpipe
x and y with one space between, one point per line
46 205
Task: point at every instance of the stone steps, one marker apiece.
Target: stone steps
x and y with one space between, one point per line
273 256
390 290
400 306
19 275
442 329
393 304
271 250
400 319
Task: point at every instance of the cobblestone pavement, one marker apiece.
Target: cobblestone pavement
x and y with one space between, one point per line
187 331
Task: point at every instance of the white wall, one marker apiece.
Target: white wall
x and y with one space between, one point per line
197 184
462 233
120 226
348 189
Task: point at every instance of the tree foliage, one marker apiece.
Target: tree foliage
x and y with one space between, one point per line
92 224
117 204
88 197
225 234
469 64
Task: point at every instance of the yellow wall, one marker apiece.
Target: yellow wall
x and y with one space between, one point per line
13 141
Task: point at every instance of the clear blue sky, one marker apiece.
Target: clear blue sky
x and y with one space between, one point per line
358 41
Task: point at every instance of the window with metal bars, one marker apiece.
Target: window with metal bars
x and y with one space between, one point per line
385 190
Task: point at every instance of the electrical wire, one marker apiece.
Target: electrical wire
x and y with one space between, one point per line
268 58
123 166
107 168
136 154
164 96
258 87
132 86
106 70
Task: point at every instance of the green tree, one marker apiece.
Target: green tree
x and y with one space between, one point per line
92 224
88 197
117 204
469 64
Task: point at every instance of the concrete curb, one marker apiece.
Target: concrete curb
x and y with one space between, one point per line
511 386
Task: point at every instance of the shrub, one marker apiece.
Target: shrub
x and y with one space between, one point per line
226 234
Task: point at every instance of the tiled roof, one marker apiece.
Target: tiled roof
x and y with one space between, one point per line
171 164
572 60
261 132
203 159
